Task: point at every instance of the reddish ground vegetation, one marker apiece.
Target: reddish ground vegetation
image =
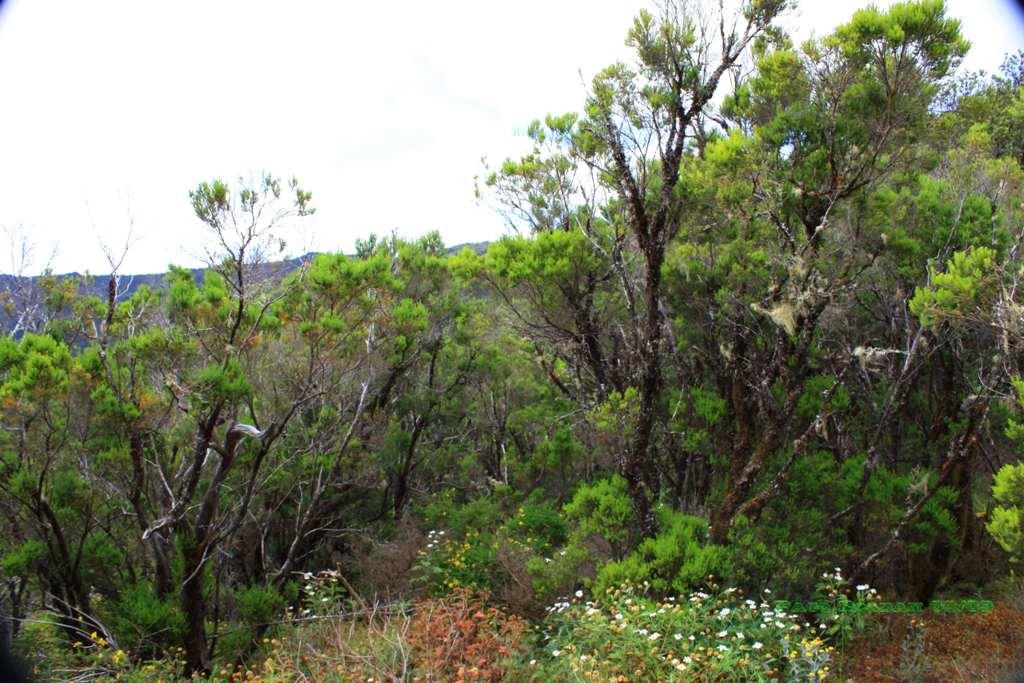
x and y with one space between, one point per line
958 647
461 638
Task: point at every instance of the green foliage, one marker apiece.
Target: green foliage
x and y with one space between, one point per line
678 559
602 509
715 636
145 623
954 294
225 383
1006 523
447 564
921 24
259 604
466 553
37 368
23 557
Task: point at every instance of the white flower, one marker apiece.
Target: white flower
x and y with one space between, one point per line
862 587
740 635
618 617
873 591
579 594
323 599
692 638
767 591
533 662
678 636
642 631
680 667
687 659
757 646
654 636
723 634
723 648
555 653
725 612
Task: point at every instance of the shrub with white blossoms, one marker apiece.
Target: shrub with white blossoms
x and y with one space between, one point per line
323 593
721 635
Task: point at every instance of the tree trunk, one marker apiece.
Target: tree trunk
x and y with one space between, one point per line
638 470
193 604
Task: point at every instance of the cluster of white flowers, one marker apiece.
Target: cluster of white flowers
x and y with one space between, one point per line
838 575
672 626
560 606
434 539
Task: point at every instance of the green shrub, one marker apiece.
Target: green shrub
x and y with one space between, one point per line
144 623
678 559
603 509
466 553
624 634
448 564
258 604
1007 520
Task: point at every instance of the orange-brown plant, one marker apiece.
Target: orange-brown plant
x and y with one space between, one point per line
461 638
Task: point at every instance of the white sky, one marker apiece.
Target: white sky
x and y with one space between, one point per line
383 110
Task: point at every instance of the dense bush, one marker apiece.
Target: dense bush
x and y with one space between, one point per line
678 559
720 635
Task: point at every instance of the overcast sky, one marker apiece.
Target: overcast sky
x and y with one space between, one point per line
383 110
